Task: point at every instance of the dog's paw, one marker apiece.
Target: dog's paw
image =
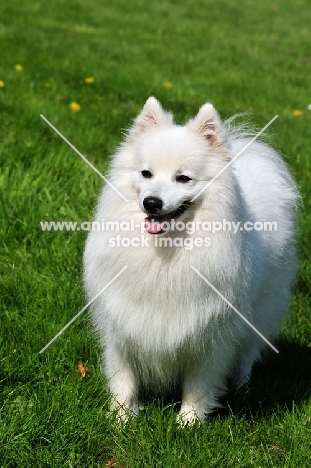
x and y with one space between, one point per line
187 418
122 413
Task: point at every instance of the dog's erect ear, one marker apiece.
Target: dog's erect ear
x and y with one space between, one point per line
208 124
151 115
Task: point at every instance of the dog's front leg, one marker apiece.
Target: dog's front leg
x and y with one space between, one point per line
202 385
122 383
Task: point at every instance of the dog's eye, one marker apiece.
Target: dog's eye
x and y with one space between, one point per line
183 179
146 174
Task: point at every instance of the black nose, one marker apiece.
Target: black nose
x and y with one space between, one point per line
152 204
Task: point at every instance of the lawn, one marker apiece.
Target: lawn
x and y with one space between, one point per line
242 56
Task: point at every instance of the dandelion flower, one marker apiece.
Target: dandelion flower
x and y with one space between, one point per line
297 112
89 80
47 84
74 106
1 84
18 67
167 85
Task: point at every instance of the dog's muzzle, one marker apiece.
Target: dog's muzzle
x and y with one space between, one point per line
156 223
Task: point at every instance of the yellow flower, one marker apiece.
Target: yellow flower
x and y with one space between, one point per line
1 84
167 85
47 84
89 80
74 106
19 67
297 112
274 6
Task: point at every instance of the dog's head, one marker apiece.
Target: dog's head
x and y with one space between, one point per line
173 163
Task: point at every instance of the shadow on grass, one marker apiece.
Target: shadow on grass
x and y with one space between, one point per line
277 381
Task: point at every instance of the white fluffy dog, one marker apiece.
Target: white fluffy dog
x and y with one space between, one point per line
160 322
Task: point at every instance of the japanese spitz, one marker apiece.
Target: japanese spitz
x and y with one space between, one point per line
202 238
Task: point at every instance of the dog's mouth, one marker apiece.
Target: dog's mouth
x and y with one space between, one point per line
158 224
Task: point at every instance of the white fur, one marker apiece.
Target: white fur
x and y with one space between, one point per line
160 323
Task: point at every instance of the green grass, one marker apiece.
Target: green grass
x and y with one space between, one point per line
241 56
